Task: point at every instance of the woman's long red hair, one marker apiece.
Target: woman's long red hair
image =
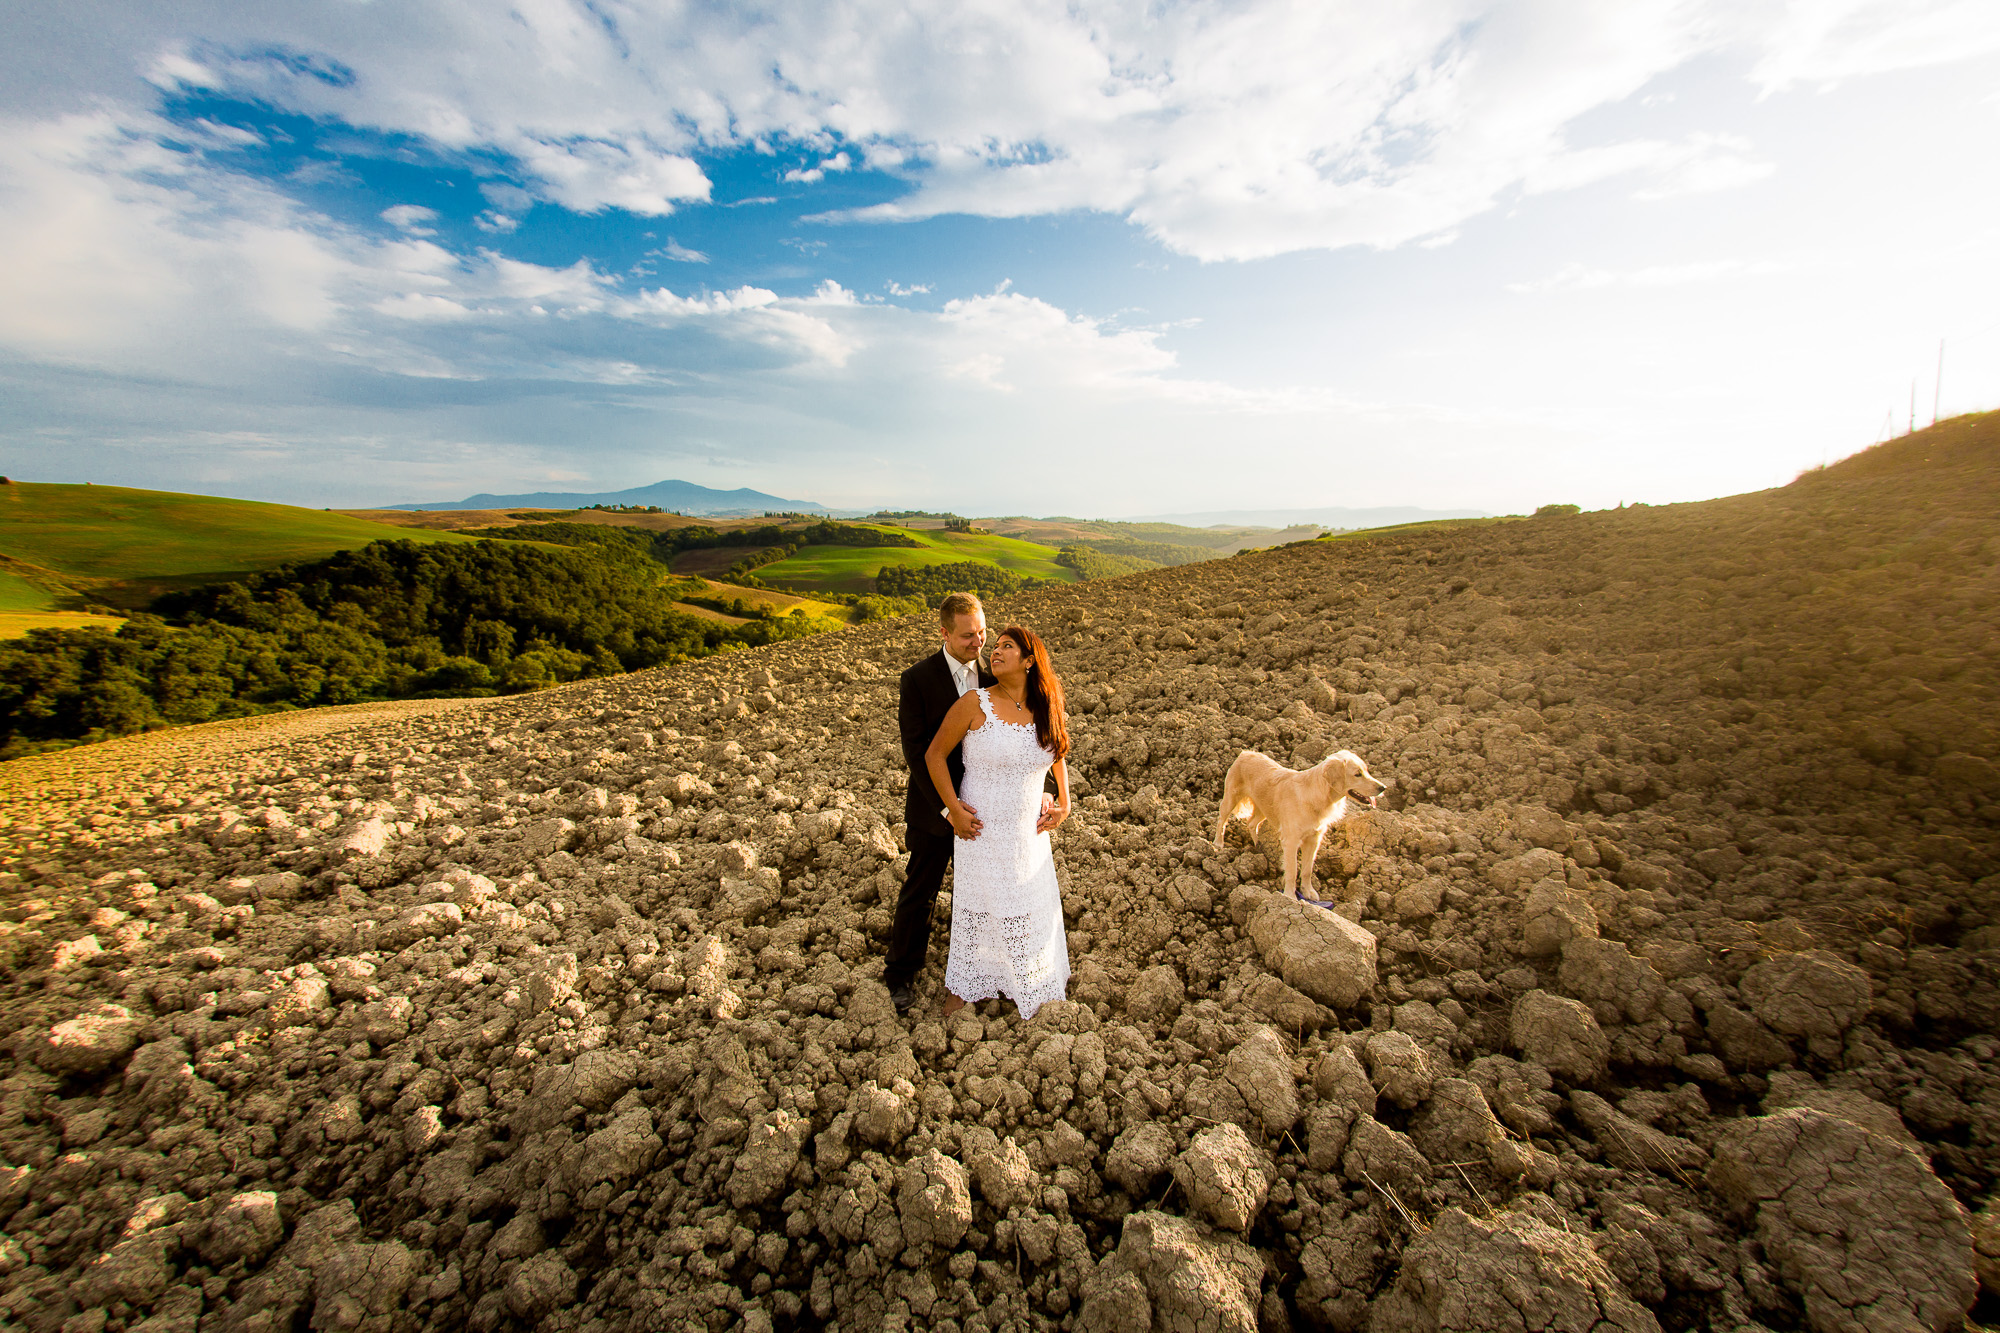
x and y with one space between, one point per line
1044 690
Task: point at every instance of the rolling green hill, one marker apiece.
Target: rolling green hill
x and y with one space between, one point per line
17 594
124 547
852 568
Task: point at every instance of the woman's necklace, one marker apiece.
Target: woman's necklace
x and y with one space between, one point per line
1020 703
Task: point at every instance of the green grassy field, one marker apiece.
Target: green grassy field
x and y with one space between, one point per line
30 598
125 547
852 568
17 594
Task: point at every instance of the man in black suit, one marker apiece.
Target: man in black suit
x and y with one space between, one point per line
929 690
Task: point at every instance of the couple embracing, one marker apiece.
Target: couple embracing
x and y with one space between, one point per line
980 740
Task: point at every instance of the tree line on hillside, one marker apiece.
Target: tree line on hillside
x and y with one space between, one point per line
664 546
1111 557
1153 553
1090 563
773 543
933 583
393 620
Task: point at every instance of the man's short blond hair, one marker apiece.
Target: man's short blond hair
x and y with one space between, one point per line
955 605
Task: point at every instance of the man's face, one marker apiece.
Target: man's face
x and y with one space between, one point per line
965 636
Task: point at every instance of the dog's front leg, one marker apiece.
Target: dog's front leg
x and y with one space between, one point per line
1308 879
1291 866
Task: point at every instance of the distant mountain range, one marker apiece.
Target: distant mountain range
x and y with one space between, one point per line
685 497
681 497
1324 518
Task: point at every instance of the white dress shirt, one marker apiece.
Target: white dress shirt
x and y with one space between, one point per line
965 675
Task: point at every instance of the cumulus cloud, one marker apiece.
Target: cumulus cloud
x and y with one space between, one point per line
589 176
812 175
411 218
162 265
1227 132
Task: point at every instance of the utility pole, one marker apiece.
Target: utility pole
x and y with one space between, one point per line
1938 396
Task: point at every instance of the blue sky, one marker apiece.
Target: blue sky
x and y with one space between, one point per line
1093 258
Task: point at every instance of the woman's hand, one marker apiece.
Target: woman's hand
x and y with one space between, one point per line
1056 811
964 820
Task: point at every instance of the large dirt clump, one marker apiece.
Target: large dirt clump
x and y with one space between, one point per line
1661 991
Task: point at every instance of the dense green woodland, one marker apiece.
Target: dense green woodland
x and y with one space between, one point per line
1092 563
393 620
934 582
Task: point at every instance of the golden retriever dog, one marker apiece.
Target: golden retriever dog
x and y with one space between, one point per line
1301 804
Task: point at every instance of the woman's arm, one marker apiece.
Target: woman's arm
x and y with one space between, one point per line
1053 817
963 717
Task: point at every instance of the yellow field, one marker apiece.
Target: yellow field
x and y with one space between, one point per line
16 624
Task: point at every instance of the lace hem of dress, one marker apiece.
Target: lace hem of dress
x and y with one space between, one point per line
996 956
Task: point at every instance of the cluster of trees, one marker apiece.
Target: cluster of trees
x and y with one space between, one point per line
933 583
393 620
819 534
846 534
629 544
1153 553
1109 558
1091 563
874 606
744 570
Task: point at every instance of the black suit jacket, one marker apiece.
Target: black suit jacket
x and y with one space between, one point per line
928 692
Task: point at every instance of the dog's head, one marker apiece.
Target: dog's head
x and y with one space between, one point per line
1352 780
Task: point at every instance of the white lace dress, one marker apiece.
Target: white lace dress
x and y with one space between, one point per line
1006 909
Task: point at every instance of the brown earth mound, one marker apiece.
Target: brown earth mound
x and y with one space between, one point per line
1675 960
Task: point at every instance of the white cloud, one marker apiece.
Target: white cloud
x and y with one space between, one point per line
589 175
679 253
172 289
412 219
1698 164
1822 42
1227 132
220 282
506 198
813 175
155 261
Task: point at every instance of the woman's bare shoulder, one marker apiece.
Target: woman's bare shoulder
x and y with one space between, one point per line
968 711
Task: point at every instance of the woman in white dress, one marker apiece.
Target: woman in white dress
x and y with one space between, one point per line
1006 908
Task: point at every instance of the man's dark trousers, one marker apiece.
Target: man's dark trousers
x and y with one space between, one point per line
928 692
